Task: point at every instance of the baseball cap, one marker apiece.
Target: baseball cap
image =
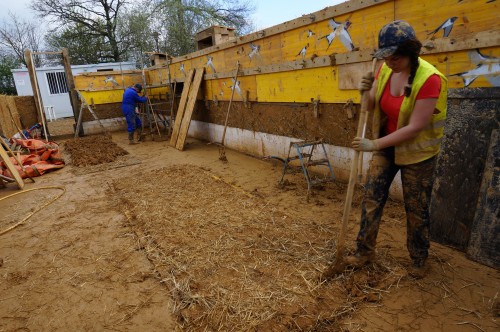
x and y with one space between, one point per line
138 87
391 36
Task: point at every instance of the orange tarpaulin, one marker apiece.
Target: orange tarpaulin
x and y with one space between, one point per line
43 157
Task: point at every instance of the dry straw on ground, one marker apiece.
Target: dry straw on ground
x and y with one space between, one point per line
233 262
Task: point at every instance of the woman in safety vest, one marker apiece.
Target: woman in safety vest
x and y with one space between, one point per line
408 97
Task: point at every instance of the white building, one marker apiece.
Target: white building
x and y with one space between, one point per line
53 87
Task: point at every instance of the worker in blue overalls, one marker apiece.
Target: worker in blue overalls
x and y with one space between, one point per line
129 103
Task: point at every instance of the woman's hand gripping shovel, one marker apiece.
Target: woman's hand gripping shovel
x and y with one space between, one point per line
339 265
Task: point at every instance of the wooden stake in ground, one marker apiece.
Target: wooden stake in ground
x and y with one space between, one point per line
222 148
80 115
339 265
172 109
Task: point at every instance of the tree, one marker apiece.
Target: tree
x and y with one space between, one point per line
135 34
81 48
98 17
7 63
182 19
17 35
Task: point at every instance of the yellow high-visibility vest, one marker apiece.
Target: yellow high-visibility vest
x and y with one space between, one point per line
428 141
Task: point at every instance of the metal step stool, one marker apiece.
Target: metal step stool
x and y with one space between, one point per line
305 152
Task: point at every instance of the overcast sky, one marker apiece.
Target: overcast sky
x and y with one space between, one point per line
268 12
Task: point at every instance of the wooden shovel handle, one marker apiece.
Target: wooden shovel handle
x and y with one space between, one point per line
354 168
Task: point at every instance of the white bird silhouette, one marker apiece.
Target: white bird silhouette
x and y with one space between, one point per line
254 51
340 30
111 79
310 33
182 69
236 86
446 26
210 63
303 51
489 67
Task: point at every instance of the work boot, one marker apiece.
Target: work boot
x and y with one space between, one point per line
418 269
140 137
360 258
131 138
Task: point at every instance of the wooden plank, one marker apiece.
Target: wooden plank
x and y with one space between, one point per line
182 107
186 119
11 168
478 40
303 86
350 74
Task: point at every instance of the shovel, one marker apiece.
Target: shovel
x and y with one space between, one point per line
339 265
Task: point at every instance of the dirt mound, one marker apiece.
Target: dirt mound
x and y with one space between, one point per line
93 150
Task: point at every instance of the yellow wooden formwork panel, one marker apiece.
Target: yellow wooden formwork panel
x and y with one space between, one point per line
320 39
157 76
103 97
466 17
267 51
115 96
248 56
220 89
105 82
366 23
469 68
213 62
303 86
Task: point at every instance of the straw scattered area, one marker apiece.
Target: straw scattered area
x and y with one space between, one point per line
234 262
92 150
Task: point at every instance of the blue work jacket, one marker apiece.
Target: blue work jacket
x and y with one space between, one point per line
130 100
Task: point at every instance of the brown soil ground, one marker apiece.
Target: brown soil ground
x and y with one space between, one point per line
163 240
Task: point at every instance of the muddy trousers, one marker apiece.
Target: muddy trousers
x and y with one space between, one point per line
417 180
133 121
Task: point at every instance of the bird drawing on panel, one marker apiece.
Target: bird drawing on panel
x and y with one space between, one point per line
489 67
110 79
446 26
254 51
310 33
182 69
340 31
210 63
303 51
236 87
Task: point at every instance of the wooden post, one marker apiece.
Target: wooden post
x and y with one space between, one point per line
36 92
73 94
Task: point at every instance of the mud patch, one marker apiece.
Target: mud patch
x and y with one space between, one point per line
232 260
92 150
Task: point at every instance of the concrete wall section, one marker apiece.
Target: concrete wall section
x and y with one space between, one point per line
263 144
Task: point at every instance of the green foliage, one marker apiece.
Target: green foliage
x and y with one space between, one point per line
7 86
83 46
182 19
118 30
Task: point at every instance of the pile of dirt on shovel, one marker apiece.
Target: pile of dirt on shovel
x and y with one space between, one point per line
93 150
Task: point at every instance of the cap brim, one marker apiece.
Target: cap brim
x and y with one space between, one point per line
385 52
